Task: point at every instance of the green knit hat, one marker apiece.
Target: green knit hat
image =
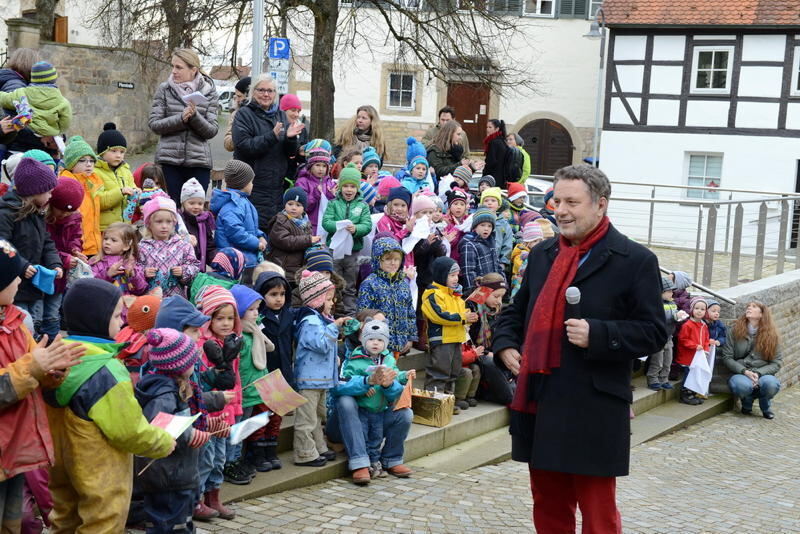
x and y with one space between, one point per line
350 175
41 156
76 149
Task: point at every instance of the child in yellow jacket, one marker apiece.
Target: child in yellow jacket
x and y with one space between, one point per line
118 184
448 318
531 236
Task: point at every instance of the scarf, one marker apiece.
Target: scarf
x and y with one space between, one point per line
365 136
185 88
752 330
541 351
486 317
301 222
488 141
261 344
396 221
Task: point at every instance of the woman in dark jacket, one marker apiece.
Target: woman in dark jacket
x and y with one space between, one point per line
752 353
17 75
185 127
446 153
494 148
261 140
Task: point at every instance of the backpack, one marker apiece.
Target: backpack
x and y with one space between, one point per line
512 164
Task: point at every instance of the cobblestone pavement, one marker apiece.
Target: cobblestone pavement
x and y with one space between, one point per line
729 474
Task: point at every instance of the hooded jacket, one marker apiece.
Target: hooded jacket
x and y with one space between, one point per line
67 236
237 223
52 113
353 381
391 294
184 144
279 327
478 258
356 211
310 184
315 360
31 239
90 210
444 308
288 242
112 201
11 80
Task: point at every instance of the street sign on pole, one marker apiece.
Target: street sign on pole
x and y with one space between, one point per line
278 48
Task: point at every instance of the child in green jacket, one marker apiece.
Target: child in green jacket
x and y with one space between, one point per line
52 113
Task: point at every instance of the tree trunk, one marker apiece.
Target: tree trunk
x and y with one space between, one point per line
45 16
322 86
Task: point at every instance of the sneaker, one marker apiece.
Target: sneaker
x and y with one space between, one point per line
329 455
376 471
235 474
666 385
768 415
747 411
654 386
462 404
318 462
472 401
687 397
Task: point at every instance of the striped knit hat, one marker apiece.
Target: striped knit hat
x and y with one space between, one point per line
483 215
694 301
532 231
318 155
229 262
368 192
212 298
370 155
42 73
314 286
418 160
319 259
463 173
172 353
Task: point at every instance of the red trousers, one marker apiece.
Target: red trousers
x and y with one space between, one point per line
269 432
557 495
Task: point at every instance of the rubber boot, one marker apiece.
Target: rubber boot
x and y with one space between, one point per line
257 457
202 512
212 501
461 387
271 453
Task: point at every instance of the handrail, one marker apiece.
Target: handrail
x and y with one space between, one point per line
704 289
690 202
699 187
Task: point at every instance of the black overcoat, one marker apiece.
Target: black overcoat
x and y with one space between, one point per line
582 424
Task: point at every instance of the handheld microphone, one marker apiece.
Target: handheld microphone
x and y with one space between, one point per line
573 296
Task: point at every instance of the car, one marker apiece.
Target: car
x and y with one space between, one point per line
536 189
225 98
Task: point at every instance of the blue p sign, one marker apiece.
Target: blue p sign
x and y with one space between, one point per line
278 48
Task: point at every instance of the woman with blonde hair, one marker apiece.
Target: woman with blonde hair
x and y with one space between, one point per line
752 353
184 114
362 130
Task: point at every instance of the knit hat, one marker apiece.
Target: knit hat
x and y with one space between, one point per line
350 175
192 189
243 85
667 284
547 227
171 352
11 264
41 156
483 215
369 156
238 174
400 193
245 297
516 190
375 330
682 279
158 203
422 202
178 313
456 195
418 160
441 269
711 302
695 300
531 232
438 202
142 313
11 163
415 148
297 194
314 287
88 306
68 194
464 173
33 177
212 298
319 259
488 179
230 262
317 143
386 184
43 72
110 138
368 192
492 192
76 149
290 101
318 155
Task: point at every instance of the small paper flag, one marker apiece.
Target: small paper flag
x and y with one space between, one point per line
480 295
175 425
242 430
277 394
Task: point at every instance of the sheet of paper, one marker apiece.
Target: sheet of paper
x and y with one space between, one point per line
195 98
175 425
699 376
342 240
422 229
323 205
240 431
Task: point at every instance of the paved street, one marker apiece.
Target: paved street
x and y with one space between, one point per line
729 474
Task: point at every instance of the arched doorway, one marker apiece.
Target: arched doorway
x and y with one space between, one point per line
549 145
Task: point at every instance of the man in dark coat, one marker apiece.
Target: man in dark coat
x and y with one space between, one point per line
571 411
262 140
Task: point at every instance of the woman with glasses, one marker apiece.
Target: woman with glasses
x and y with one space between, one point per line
184 114
264 138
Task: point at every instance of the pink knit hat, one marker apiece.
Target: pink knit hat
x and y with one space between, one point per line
158 203
422 202
290 102
172 353
212 298
314 287
387 183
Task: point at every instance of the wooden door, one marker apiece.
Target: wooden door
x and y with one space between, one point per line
471 102
61 29
549 145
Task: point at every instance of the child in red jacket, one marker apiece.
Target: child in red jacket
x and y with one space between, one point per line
693 336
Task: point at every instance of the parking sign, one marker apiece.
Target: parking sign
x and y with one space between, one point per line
278 48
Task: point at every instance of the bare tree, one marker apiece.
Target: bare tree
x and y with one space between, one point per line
45 16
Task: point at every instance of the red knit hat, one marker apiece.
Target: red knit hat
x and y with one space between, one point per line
515 191
68 194
212 298
142 313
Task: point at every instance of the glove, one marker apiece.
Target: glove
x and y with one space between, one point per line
199 438
213 352
225 379
231 347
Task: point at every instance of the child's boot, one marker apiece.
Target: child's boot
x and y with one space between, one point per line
271 453
257 456
212 501
204 513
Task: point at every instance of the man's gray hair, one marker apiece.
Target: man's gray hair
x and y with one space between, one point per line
595 179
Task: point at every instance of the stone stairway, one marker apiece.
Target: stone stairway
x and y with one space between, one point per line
475 437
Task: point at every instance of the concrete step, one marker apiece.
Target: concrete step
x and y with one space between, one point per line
489 448
422 441
673 415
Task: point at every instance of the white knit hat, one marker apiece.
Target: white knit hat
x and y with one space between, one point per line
192 189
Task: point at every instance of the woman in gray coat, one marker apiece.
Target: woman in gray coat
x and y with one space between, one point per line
185 126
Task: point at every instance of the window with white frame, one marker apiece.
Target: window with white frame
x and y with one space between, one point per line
539 8
594 5
704 170
712 68
796 73
402 90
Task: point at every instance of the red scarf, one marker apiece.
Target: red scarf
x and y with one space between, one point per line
489 139
541 352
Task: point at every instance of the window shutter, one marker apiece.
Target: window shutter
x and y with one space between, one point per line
580 8
567 8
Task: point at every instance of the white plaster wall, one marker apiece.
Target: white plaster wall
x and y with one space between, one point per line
666 80
629 47
763 47
669 47
761 81
756 115
630 78
663 112
707 113
793 117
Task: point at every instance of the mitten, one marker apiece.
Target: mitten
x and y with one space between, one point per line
199 438
225 379
231 347
213 352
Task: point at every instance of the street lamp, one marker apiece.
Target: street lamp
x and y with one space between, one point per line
598 31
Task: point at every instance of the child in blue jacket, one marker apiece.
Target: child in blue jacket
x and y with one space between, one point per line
716 328
315 367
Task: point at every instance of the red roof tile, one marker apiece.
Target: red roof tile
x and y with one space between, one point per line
702 12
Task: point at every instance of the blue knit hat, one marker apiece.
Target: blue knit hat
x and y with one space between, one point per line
483 215
245 297
415 148
399 193
297 194
370 155
319 259
368 192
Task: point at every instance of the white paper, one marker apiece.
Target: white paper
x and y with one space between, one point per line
412 282
366 250
422 229
342 240
323 205
466 226
81 270
242 430
195 98
699 376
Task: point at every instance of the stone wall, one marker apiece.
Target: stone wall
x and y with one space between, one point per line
396 133
782 294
